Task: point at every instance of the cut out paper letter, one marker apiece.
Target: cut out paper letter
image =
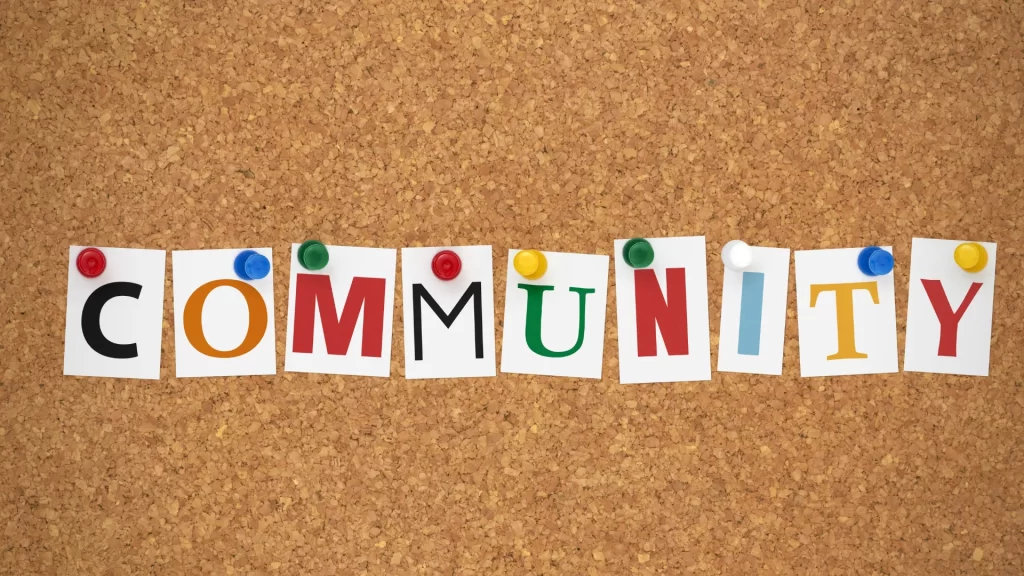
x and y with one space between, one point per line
554 325
948 319
751 300
662 312
534 312
847 320
949 311
449 324
655 310
91 329
365 295
752 333
420 294
193 319
356 341
114 322
223 326
844 314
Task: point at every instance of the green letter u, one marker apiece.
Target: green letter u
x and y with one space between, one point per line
534 304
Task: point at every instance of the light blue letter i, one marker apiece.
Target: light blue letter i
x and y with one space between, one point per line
751 300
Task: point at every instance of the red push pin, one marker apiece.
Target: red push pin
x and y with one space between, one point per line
446 265
91 262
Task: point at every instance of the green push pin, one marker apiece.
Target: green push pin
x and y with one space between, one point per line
313 255
638 253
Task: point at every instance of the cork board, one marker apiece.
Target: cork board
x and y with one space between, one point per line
558 126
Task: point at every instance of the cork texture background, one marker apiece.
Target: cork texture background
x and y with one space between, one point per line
551 125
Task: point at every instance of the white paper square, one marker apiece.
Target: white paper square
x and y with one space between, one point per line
874 324
933 260
687 253
124 320
449 352
225 315
560 317
345 263
773 266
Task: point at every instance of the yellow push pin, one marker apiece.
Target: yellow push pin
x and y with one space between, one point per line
971 256
531 264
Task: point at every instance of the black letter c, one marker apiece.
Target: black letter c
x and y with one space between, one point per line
91 319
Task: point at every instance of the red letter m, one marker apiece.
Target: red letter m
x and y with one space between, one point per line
313 290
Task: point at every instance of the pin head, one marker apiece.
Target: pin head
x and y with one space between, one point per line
91 262
531 264
971 256
313 255
251 265
446 265
638 253
873 261
737 255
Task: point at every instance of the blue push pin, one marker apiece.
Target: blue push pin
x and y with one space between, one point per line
873 261
251 265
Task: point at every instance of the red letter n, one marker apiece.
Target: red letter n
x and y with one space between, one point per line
948 320
669 314
313 290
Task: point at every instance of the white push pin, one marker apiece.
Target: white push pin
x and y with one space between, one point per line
737 255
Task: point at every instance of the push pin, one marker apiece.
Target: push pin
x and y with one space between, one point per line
313 255
737 255
446 265
91 262
531 264
638 253
873 261
251 265
971 256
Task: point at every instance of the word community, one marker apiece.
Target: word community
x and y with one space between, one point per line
341 311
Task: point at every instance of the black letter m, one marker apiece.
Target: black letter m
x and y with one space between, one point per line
473 292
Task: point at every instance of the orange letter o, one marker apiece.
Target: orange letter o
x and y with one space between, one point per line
193 318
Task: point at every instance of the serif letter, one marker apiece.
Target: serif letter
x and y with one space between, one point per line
91 319
949 320
655 311
844 314
420 294
192 318
534 306
313 291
